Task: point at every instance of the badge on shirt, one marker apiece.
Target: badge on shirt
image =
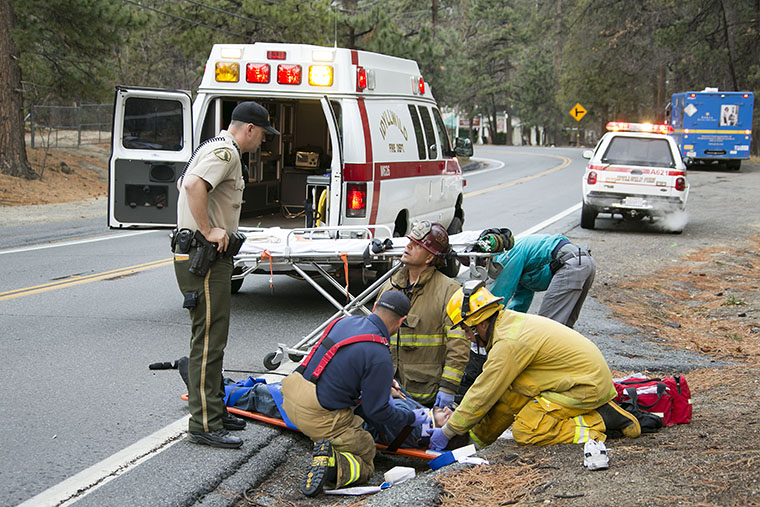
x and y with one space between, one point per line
223 154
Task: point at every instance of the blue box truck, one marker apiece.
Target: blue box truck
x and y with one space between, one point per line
713 127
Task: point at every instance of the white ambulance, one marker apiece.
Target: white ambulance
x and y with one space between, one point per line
362 141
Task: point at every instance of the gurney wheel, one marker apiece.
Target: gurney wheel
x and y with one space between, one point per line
296 358
269 363
236 284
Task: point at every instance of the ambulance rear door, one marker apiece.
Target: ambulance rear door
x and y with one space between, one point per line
151 141
336 167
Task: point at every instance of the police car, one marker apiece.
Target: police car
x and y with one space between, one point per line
635 171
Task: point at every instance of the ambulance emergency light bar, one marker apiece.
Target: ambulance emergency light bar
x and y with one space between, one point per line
652 128
288 74
319 74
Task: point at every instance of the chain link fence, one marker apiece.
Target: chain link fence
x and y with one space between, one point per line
70 126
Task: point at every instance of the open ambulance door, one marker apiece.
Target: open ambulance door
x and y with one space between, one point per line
151 141
336 167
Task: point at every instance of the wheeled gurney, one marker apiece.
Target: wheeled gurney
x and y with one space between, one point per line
327 252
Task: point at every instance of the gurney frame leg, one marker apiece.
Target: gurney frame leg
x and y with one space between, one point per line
274 359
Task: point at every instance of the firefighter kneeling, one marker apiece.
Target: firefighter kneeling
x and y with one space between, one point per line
351 363
548 382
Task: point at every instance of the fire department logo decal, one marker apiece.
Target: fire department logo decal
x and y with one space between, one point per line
223 154
391 119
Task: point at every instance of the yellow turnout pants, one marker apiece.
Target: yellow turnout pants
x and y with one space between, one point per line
538 421
354 447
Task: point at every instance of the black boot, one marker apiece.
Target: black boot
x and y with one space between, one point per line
231 422
618 422
219 438
323 469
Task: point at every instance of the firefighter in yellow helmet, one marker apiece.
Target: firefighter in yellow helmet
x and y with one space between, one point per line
548 382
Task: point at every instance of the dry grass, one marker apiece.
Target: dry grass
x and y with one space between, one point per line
489 485
701 304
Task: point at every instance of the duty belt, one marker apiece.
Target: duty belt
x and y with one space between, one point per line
564 251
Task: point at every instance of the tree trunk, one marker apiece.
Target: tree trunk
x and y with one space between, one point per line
13 159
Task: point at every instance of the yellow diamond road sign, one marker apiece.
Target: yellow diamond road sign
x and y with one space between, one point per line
578 112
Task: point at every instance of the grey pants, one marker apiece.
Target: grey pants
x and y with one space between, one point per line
570 284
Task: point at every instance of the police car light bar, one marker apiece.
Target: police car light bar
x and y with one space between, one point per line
622 126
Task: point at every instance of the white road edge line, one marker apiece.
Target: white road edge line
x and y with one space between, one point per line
87 481
532 230
76 242
546 223
90 479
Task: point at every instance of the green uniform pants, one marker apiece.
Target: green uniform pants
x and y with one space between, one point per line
210 320
354 447
538 421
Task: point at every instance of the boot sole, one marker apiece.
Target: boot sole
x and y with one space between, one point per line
199 439
314 481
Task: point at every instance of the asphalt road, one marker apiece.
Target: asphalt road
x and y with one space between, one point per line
82 321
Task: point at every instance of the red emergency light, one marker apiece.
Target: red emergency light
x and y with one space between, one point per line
422 86
356 200
692 95
276 55
361 79
746 95
257 72
289 74
654 128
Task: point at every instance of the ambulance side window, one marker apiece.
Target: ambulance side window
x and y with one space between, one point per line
421 151
152 124
427 123
442 135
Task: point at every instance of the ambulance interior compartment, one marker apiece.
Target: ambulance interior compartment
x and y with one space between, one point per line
286 176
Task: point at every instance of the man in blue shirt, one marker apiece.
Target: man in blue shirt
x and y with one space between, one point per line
351 364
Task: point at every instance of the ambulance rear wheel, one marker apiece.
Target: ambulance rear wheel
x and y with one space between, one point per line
236 284
588 217
269 362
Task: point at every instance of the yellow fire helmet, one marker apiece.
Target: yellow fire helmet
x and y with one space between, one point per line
472 304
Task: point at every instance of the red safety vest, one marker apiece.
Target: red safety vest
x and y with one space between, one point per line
332 348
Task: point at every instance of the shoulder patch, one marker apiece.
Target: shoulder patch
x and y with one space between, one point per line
223 154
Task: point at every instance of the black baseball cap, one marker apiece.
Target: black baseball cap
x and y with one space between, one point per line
394 301
251 112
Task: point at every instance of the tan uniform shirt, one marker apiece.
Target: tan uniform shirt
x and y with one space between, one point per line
430 354
532 355
216 161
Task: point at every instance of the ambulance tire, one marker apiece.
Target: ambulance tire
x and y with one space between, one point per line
452 266
588 217
269 363
236 284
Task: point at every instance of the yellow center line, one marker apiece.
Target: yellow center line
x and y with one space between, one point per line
78 280
565 162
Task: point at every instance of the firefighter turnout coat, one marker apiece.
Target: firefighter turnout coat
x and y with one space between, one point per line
427 353
541 375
